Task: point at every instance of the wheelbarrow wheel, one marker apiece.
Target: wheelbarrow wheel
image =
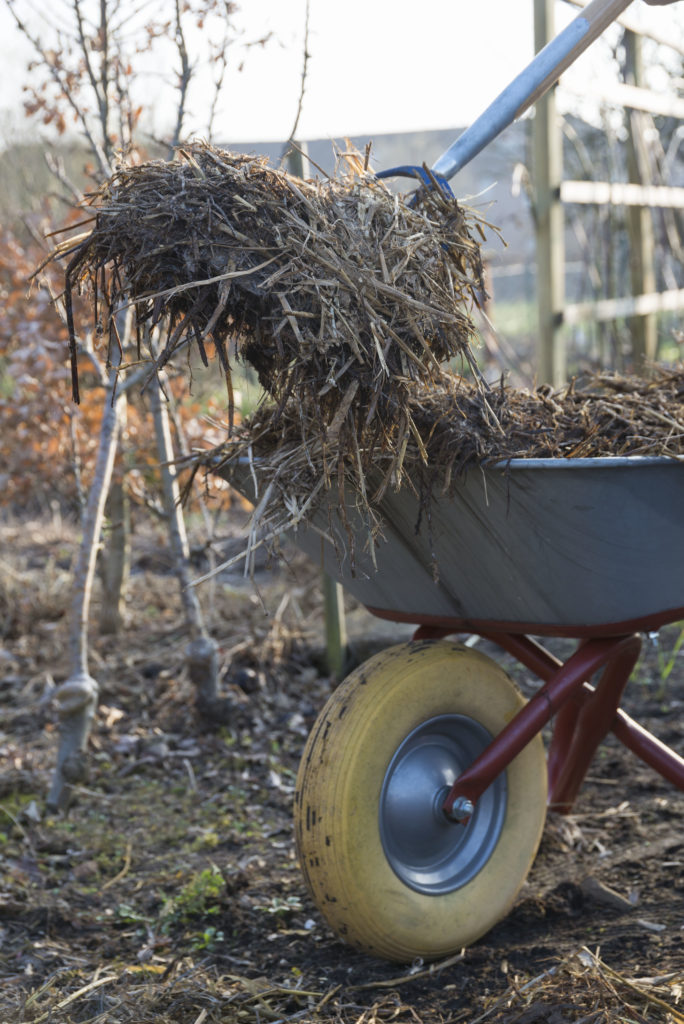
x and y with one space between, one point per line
387 870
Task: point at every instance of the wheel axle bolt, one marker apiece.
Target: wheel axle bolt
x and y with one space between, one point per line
462 808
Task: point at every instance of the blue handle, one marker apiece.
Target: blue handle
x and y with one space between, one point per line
414 171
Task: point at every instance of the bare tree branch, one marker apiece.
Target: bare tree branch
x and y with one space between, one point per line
104 75
183 79
87 70
221 60
88 64
56 167
65 91
305 67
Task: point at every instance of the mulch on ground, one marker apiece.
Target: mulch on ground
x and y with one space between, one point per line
171 893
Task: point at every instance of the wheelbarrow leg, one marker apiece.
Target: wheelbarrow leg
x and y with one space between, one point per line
640 741
583 723
563 685
584 716
649 749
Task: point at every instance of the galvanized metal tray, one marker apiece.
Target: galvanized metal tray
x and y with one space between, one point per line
575 547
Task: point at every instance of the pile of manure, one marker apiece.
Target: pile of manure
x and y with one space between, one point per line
336 292
459 426
349 303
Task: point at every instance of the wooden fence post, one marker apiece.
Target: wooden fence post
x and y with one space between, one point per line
643 329
336 652
333 594
548 169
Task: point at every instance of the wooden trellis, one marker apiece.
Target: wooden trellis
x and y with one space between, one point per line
638 195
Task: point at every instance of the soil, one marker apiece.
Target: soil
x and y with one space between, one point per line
170 890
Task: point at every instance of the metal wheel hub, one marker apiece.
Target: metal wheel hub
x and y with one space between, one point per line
428 852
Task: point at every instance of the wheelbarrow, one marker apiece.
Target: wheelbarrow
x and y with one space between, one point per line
423 788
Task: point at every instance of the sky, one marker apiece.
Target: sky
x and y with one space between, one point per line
375 66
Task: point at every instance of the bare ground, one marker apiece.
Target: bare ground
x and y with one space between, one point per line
171 892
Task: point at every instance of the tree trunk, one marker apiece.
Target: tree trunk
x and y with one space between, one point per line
201 654
116 559
77 697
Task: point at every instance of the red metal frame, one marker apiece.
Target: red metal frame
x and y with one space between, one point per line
446 626
584 715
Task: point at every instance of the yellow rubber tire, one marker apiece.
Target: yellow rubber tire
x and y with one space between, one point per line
338 798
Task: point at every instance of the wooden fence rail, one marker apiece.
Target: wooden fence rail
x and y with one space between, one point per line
603 310
622 194
635 97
